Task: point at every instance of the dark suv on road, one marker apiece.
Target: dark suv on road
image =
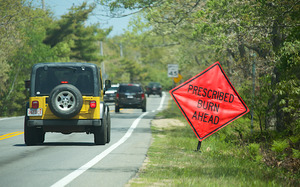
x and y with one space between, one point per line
154 88
66 98
130 96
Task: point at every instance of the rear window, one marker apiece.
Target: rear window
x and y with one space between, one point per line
130 89
154 84
49 77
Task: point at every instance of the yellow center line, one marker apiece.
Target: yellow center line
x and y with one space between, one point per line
9 135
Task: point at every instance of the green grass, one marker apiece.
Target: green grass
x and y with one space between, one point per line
173 161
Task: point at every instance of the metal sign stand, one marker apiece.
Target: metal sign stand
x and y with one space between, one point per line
198 147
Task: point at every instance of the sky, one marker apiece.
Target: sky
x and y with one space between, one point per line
60 7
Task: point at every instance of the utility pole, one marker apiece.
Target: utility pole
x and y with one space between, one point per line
121 50
253 90
101 48
103 62
43 5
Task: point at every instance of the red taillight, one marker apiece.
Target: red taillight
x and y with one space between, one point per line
143 96
35 104
117 95
64 82
93 104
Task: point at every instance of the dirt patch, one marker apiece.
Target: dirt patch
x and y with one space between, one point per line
166 123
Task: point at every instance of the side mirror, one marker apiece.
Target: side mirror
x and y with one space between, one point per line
27 84
107 84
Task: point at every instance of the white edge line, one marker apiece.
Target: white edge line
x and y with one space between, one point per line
162 102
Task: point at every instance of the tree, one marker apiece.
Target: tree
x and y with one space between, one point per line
31 50
65 28
71 39
12 13
15 18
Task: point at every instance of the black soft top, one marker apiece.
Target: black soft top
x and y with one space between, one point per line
94 85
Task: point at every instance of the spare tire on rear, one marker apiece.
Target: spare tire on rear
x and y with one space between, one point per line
65 101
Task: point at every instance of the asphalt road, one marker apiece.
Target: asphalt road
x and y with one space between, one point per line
74 160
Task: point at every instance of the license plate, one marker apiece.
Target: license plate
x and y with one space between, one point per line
34 111
129 96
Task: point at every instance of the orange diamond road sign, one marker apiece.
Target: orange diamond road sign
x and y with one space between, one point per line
177 79
208 101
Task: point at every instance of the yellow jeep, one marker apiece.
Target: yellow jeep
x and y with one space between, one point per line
66 97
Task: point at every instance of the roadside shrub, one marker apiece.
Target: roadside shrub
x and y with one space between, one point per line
296 153
279 147
254 152
294 139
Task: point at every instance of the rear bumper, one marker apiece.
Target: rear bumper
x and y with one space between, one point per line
131 106
154 92
58 122
139 104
